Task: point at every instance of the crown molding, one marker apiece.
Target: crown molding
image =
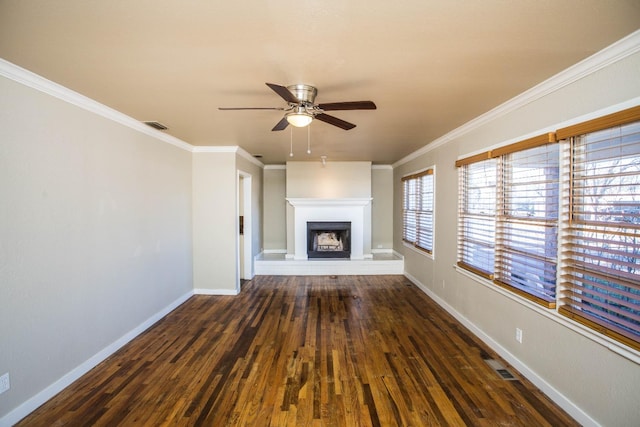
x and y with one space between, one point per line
214 149
227 149
619 50
279 167
382 167
248 156
39 83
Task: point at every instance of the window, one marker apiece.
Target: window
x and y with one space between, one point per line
527 220
476 230
508 216
417 210
601 280
560 223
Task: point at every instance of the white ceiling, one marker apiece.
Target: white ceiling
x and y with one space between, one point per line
429 65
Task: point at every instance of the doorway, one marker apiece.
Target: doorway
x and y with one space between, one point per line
244 259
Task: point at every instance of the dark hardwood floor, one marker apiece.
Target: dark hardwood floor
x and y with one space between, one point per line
303 351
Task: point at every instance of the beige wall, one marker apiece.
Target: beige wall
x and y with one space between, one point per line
95 236
603 385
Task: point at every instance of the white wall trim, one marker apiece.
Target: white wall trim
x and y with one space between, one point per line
279 167
576 412
214 149
246 255
244 153
384 167
619 50
382 251
271 251
34 402
216 292
227 149
34 81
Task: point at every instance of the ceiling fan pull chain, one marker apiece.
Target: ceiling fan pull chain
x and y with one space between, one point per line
308 139
291 150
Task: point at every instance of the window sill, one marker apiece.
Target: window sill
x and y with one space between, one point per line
552 314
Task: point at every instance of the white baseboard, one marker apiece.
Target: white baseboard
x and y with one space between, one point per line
561 400
33 403
382 251
274 251
216 292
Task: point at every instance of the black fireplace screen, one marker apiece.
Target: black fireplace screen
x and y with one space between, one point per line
328 239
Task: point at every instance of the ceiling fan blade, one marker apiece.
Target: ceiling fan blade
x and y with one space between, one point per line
335 121
282 124
250 108
353 105
284 93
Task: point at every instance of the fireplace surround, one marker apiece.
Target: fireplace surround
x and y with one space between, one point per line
357 211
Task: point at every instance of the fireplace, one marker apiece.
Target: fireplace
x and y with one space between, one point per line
357 212
328 239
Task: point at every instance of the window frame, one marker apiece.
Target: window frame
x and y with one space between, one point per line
420 207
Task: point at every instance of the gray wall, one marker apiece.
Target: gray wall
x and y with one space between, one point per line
215 215
95 235
216 219
275 209
255 169
574 366
275 205
381 207
331 181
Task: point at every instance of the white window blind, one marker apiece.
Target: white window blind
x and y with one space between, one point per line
417 210
476 216
601 255
409 210
527 221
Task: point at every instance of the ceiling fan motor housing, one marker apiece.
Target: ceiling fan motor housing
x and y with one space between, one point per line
305 93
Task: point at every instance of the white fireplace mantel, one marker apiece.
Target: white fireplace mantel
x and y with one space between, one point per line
354 210
314 202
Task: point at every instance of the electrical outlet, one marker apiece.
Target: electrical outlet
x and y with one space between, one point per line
4 383
519 335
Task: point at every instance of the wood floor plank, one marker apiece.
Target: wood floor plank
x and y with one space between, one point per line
303 351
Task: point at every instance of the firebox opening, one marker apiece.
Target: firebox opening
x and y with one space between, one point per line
328 239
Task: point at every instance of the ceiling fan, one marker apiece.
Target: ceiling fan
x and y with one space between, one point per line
301 108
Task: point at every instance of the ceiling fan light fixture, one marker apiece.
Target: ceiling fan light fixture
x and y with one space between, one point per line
299 118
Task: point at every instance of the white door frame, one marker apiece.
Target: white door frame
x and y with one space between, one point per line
244 179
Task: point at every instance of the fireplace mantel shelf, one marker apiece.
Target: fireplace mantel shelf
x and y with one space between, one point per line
329 202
